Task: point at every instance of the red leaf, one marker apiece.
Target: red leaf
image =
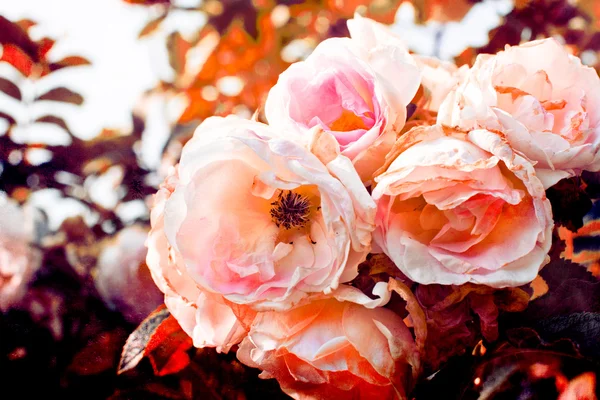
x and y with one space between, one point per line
134 349
167 348
44 46
17 58
165 360
62 94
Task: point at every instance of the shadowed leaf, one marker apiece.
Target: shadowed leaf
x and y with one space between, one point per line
569 203
62 94
100 353
51 119
7 117
10 88
582 328
13 34
243 10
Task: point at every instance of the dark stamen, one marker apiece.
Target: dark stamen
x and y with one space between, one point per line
290 210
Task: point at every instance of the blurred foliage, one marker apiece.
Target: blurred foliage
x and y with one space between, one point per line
576 23
27 161
245 45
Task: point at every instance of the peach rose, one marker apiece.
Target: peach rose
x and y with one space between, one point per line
455 207
19 261
254 219
543 98
356 88
330 349
122 277
203 315
438 78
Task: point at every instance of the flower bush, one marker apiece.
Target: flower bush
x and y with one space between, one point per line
265 237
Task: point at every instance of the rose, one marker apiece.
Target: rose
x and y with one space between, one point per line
545 101
19 261
355 88
122 277
438 78
203 315
254 219
333 349
456 207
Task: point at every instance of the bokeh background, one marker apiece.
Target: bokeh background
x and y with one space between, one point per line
97 97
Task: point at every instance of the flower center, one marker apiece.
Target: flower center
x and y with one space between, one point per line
348 121
290 210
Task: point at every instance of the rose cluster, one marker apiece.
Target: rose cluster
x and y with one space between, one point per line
258 233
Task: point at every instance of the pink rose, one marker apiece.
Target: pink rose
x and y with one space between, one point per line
330 349
254 219
203 315
122 277
357 89
544 99
19 261
455 207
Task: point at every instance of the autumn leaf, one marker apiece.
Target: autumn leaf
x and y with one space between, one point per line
62 94
152 26
14 36
134 348
71 61
160 338
17 58
539 286
51 119
10 88
25 24
167 348
417 317
178 48
44 45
